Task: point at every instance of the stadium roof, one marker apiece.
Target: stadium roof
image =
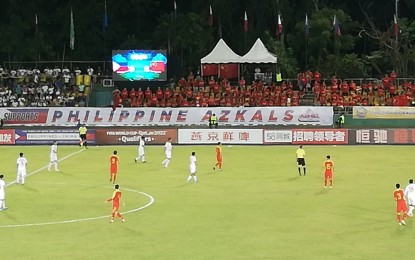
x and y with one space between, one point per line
259 54
221 54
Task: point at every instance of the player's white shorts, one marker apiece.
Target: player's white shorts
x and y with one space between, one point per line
2 195
53 157
192 169
168 155
140 151
411 201
21 172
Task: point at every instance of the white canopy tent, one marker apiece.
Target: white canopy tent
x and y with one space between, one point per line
221 54
258 54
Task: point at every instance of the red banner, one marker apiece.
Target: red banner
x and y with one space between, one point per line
7 136
132 136
320 136
229 71
210 70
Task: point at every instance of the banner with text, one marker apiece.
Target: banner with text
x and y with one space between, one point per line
7 136
47 136
384 112
62 116
129 136
319 136
226 136
382 136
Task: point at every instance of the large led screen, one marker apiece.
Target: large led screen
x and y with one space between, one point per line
139 65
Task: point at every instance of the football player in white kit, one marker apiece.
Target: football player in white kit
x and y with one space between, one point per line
192 167
167 151
141 150
410 197
53 156
21 169
2 193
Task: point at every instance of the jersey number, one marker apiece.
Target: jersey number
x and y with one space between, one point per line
398 196
113 161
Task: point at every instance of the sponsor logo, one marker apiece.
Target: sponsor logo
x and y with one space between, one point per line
309 116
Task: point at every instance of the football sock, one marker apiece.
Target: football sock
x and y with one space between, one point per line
114 177
113 215
325 182
194 177
56 166
120 216
305 170
2 204
167 162
411 209
299 170
331 182
49 166
189 178
398 217
164 162
143 158
404 215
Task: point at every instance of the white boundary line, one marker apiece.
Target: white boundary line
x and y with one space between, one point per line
86 219
46 166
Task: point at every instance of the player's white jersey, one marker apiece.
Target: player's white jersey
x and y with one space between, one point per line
142 144
21 163
168 147
192 165
2 189
54 152
410 191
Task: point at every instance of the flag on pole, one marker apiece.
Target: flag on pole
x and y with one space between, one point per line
105 18
246 22
307 26
175 8
72 33
336 26
395 26
210 20
279 25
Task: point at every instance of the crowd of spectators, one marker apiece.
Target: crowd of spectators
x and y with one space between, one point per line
47 88
194 91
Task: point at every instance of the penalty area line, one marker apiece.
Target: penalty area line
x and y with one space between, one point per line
46 166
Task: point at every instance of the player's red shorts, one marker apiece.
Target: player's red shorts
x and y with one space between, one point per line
328 175
115 207
401 206
113 170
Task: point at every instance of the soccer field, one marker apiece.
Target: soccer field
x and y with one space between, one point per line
257 208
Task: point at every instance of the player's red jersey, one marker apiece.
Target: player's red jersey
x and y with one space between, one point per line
398 195
114 164
328 166
219 153
116 196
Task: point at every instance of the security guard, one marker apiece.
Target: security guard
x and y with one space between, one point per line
82 136
340 121
213 121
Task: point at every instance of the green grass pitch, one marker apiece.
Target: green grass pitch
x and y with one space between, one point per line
257 208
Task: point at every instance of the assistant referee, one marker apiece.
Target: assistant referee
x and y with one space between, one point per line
82 136
301 160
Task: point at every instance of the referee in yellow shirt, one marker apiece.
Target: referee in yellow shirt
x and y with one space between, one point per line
82 136
301 160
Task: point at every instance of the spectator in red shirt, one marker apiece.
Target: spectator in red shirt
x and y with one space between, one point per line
124 94
345 88
159 94
212 81
133 93
182 82
242 82
148 93
317 77
167 93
